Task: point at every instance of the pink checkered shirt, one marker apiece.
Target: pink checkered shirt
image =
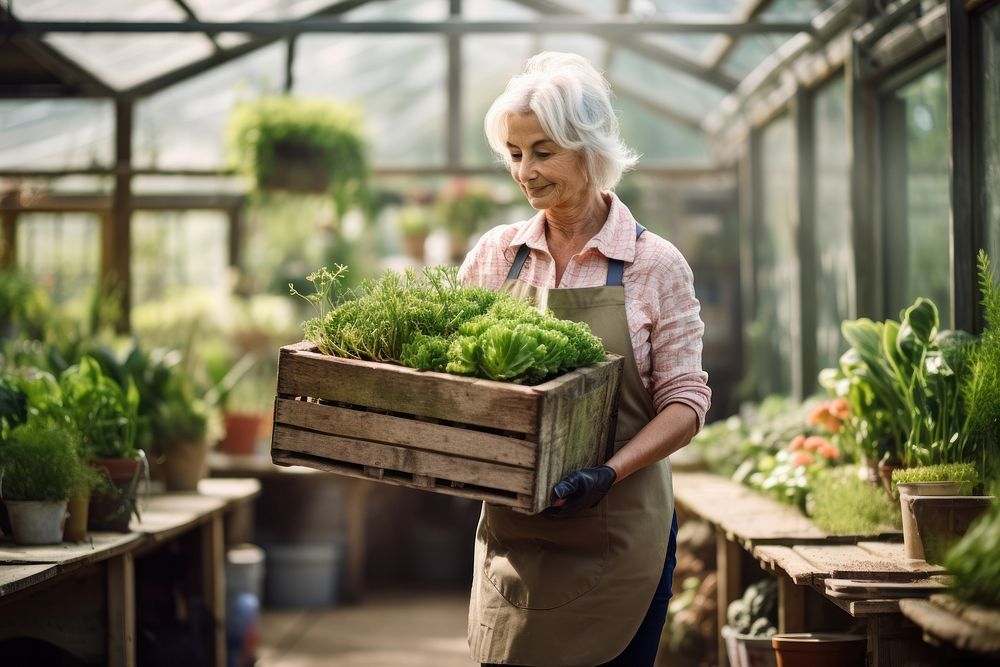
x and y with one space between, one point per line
660 304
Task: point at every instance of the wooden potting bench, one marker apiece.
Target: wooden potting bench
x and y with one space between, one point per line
753 531
85 598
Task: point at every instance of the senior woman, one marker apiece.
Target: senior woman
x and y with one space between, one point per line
587 582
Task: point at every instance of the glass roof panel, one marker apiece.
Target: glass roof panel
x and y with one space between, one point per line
124 60
681 7
228 40
55 134
490 10
398 80
256 10
404 10
103 10
692 46
660 141
673 89
795 10
750 51
184 126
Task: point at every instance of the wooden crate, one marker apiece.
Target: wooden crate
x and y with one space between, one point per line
503 443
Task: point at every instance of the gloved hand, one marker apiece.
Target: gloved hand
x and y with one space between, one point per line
580 489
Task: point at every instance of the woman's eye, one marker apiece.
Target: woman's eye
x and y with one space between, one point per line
542 154
515 157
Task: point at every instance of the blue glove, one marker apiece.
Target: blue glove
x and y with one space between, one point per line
580 489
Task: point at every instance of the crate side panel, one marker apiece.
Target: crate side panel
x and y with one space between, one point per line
400 389
402 459
286 458
411 433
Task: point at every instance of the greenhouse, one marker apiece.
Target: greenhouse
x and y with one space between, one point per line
452 333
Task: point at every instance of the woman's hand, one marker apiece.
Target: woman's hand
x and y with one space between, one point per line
581 489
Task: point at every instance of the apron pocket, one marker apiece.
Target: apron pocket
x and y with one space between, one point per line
536 562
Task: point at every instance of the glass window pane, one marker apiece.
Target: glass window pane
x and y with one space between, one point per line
399 82
923 244
795 10
173 251
55 134
400 10
692 46
104 10
61 251
256 10
702 7
491 10
664 85
990 86
750 51
659 140
834 261
183 127
777 310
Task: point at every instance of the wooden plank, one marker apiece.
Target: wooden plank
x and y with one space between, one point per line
729 561
982 616
791 605
18 577
867 589
894 552
99 547
848 561
402 459
405 390
800 570
943 625
410 433
121 611
230 490
213 584
516 501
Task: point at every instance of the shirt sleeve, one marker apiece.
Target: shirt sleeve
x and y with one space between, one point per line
676 344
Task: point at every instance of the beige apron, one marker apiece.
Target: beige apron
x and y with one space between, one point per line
572 591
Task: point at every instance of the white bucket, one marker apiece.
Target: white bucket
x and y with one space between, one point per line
245 570
36 521
303 575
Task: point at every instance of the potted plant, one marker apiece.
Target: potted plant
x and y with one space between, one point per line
107 417
462 206
415 226
242 422
41 469
23 305
751 622
936 507
180 427
301 145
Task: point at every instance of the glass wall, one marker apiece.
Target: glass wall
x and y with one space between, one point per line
917 198
775 251
835 282
61 252
990 96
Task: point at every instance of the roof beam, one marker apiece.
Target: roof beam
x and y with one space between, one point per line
624 28
185 72
637 45
721 46
643 99
192 16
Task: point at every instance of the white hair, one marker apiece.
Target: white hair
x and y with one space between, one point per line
572 102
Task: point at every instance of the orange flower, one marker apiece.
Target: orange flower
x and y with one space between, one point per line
829 451
796 443
832 424
818 415
802 459
814 442
840 408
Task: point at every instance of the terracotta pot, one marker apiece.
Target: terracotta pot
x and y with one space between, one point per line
75 529
819 649
413 245
940 521
912 544
885 473
298 167
112 510
185 465
243 430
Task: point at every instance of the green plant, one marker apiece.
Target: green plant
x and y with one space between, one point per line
415 219
40 461
842 503
179 417
22 303
944 472
982 399
13 406
429 321
463 206
755 613
104 412
973 561
326 131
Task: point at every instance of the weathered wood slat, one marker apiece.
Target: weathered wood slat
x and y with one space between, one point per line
405 432
800 570
848 561
16 577
476 493
472 401
894 552
413 461
943 624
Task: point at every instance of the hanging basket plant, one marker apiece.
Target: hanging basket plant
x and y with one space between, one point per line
301 145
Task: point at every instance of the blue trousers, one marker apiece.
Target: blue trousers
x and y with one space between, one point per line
641 651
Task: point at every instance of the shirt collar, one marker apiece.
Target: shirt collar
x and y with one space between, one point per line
615 240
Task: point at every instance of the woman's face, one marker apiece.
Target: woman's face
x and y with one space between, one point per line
548 174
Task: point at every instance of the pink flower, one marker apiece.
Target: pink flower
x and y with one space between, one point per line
814 442
802 459
796 443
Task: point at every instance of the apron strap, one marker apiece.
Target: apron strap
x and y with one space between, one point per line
616 267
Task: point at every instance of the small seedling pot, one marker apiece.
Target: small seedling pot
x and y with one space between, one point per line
819 649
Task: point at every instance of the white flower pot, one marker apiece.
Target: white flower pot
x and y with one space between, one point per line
37 521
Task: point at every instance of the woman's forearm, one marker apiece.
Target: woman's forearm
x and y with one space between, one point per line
670 430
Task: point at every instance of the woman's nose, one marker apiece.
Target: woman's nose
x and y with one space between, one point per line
525 170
